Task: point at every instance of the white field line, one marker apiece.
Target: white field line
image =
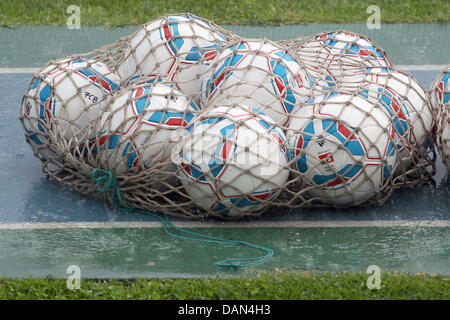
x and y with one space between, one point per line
196 224
425 67
19 70
228 224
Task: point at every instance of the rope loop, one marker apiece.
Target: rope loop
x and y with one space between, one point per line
106 182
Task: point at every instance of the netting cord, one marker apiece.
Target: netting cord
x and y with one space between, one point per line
106 182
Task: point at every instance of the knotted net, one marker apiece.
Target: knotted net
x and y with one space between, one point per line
188 119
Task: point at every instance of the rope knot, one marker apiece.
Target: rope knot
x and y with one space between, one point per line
107 183
104 180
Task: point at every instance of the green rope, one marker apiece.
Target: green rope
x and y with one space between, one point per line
107 183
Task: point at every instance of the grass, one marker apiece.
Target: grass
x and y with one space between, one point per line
266 285
114 13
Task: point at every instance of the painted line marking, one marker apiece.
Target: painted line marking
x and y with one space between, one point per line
424 67
226 224
19 70
413 67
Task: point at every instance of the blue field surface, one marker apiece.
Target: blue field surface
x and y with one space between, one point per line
28 196
45 228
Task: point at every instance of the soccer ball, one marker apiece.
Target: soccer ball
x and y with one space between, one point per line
343 148
36 133
330 55
177 48
64 99
257 73
138 130
440 100
232 160
405 101
444 140
440 91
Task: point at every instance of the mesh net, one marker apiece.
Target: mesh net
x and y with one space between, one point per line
194 121
330 56
440 100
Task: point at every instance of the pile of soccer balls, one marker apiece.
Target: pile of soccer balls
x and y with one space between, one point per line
193 120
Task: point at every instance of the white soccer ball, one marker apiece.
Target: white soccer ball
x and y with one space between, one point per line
405 100
440 92
440 100
444 138
139 129
257 73
343 148
64 99
233 160
36 133
176 48
330 55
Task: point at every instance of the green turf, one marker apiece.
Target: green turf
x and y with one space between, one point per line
267 285
273 285
115 13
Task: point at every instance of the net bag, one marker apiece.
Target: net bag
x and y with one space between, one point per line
342 62
185 118
330 56
440 100
62 106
